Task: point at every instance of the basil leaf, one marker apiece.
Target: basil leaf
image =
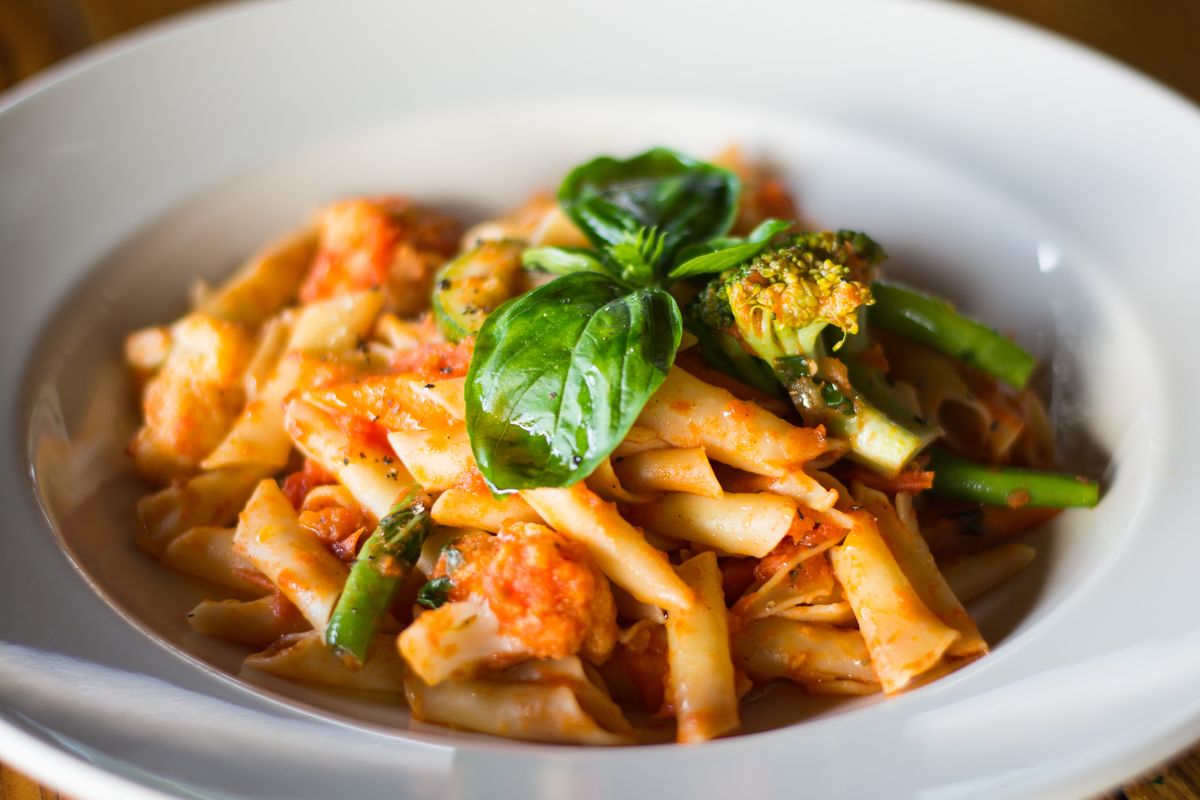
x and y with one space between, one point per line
718 255
563 260
768 229
637 256
560 374
688 201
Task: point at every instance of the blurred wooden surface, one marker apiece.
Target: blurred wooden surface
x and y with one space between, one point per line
1159 37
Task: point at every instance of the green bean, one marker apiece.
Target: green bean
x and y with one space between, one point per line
958 479
934 322
383 563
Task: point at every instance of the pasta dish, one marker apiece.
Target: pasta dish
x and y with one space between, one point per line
652 444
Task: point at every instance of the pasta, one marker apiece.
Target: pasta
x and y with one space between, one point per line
491 475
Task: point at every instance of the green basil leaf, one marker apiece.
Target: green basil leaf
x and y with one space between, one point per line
560 374
637 256
564 260
768 229
687 200
718 255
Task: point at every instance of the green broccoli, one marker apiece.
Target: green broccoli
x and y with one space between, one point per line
782 302
710 320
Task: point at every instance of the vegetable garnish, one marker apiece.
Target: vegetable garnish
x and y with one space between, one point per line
779 305
560 374
934 322
958 479
381 566
435 593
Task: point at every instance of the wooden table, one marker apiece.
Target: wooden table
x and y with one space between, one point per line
1158 37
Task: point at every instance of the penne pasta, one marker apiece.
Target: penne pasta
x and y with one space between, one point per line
208 553
320 330
257 622
629 607
620 549
371 473
668 470
258 436
210 498
522 704
604 482
839 614
701 683
584 681
439 458
447 393
978 573
463 508
539 221
267 283
904 637
912 554
739 524
304 657
842 688
269 535
805 490
272 344
335 325
687 412
638 440
802 576
809 654
395 402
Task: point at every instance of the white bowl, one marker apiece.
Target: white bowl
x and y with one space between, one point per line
1042 187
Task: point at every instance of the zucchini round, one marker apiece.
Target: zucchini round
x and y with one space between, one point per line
468 288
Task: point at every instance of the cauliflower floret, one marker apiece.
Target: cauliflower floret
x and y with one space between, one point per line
543 588
192 401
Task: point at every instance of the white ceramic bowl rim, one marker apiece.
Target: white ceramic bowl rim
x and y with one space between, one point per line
1018 171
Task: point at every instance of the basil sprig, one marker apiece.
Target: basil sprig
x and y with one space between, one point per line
561 373
725 253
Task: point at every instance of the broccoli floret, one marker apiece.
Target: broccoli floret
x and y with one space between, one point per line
709 318
782 301
785 297
855 249
711 307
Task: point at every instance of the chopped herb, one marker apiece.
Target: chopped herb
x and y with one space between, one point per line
435 593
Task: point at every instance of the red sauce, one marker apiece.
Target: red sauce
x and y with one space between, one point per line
436 360
361 429
297 485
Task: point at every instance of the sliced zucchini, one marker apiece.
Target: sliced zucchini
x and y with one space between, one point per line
468 288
